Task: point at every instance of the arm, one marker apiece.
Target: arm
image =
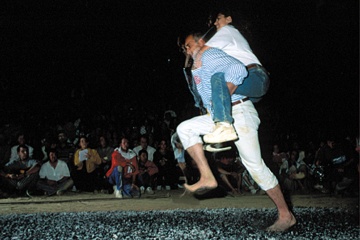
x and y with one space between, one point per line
77 159
33 169
93 156
151 168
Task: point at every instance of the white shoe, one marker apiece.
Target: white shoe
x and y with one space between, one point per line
252 190
222 132
118 194
158 188
167 187
149 190
180 186
142 190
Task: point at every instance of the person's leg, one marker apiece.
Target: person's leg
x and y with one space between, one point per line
189 133
239 182
221 102
65 185
43 186
118 177
221 99
227 182
255 85
285 218
207 179
246 123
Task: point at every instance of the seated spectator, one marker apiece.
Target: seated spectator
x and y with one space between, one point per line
21 140
231 171
144 145
324 158
86 161
65 149
20 175
281 160
123 171
105 152
164 159
147 172
295 174
54 176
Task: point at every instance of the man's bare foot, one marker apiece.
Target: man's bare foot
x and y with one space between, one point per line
201 186
283 224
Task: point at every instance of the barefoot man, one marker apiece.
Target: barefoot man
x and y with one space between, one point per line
246 121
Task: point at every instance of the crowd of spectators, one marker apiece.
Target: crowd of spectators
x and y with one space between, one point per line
74 151
331 167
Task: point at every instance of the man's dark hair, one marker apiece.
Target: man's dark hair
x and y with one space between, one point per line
22 146
52 150
144 136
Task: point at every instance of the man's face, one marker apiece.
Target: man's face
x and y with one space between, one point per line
62 137
21 139
23 153
221 21
143 143
331 144
124 145
52 157
192 46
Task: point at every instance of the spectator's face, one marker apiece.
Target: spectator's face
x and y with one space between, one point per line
162 145
331 144
143 157
23 153
52 157
124 145
222 21
102 142
62 137
83 143
21 139
143 143
294 156
276 149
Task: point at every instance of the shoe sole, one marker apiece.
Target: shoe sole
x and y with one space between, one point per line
227 139
216 147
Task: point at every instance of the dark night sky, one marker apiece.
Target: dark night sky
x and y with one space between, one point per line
121 50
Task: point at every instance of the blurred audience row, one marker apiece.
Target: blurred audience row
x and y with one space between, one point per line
147 157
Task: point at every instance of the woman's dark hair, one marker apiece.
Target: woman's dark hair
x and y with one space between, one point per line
239 19
143 151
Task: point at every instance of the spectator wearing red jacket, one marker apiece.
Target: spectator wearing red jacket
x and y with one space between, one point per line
123 171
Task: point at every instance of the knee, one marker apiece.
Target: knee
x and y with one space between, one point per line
181 130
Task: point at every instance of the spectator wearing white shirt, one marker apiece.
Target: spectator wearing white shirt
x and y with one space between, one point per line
144 146
54 176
